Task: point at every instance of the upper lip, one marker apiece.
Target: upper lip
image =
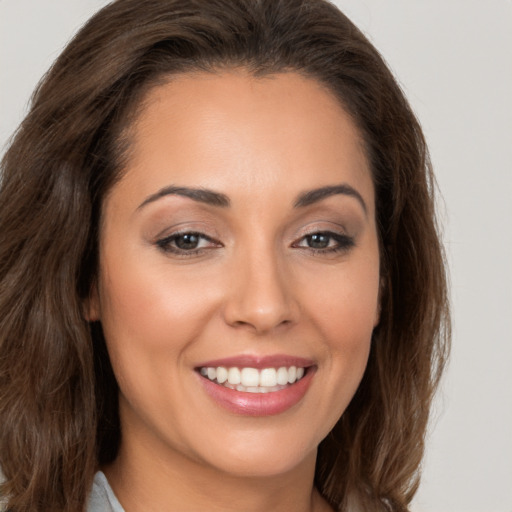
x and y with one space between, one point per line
258 362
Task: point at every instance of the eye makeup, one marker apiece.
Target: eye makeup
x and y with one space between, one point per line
187 243
191 230
326 242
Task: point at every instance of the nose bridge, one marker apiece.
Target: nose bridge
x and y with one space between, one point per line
260 296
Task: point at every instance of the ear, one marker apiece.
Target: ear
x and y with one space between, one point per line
91 305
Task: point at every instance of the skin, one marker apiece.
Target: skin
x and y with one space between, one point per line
255 287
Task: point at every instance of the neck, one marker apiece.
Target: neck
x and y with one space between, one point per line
144 479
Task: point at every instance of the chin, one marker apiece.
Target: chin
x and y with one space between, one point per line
259 454
265 464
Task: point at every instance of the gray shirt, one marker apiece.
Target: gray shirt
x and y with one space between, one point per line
102 497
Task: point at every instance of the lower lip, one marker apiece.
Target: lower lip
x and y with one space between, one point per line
258 404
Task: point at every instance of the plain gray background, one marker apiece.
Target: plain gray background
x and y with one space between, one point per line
453 58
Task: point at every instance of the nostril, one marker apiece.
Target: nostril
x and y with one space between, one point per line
259 297
262 325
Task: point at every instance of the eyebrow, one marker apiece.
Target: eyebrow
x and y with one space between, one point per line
210 197
201 195
313 196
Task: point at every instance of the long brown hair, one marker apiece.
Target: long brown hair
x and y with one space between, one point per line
58 395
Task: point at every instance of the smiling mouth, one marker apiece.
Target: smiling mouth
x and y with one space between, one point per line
253 380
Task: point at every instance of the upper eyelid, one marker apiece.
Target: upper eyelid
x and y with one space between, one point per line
184 228
313 228
339 230
220 228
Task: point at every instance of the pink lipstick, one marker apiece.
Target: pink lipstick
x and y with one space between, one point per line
257 386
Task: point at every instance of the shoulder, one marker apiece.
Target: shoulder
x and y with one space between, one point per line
102 497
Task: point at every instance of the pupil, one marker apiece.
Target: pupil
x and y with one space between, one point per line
188 241
319 241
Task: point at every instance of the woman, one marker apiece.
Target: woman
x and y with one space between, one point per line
222 285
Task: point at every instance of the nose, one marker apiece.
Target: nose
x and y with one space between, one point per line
260 296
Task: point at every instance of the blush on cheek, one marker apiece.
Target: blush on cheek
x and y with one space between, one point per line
351 313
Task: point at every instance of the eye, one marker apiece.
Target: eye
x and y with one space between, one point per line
186 243
326 242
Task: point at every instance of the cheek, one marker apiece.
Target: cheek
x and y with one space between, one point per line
344 303
144 308
347 333
343 308
150 318
154 314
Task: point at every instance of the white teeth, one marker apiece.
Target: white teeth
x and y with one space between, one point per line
252 380
255 389
268 377
282 376
222 375
234 376
250 377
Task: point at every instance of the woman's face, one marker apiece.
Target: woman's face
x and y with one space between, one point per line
239 249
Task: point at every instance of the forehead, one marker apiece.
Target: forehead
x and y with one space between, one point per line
234 132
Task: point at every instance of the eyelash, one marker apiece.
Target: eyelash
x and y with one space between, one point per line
165 244
343 243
